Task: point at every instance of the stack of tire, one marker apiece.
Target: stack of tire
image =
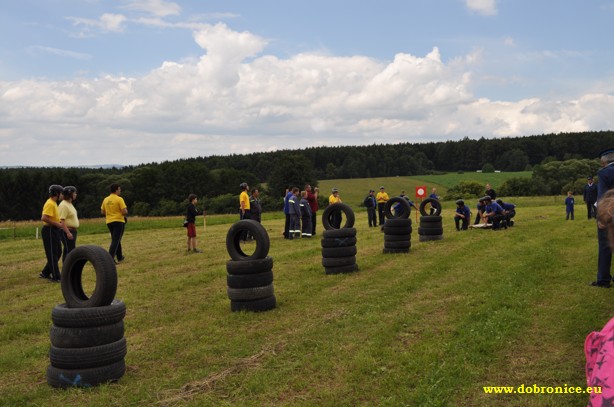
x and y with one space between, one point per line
339 245
397 229
87 336
249 276
431 227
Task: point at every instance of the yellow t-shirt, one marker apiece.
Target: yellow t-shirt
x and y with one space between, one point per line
51 209
244 199
334 199
382 197
113 206
69 214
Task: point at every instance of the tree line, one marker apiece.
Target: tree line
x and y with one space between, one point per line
159 189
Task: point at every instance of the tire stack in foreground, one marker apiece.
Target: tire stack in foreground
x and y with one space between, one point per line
431 227
339 245
87 336
397 229
250 276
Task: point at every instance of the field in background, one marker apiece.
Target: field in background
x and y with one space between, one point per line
428 328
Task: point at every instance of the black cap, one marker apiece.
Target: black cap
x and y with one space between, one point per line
606 151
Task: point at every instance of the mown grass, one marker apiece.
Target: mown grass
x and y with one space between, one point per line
428 328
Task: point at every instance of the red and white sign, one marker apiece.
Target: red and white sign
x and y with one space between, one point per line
420 192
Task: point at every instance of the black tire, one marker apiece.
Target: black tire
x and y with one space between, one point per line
430 219
403 213
337 233
330 209
398 223
249 280
397 238
338 241
391 251
338 261
249 266
106 277
431 225
62 337
66 317
434 203
83 358
263 304
250 294
89 377
428 238
388 230
397 245
430 232
257 231
339 251
341 269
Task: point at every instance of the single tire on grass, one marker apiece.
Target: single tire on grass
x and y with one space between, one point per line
402 211
434 203
338 261
237 231
339 251
341 269
249 280
83 358
430 232
263 304
338 241
428 238
250 294
249 266
106 277
66 317
62 337
331 209
64 378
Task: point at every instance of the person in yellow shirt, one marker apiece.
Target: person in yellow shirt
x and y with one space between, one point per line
114 209
244 208
381 198
334 198
51 234
68 216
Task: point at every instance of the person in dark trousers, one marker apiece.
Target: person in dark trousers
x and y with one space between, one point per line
114 210
491 192
480 211
462 215
590 197
68 216
493 212
569 205
335 218
370 204
294 207
255 206
305 215
605 182
509 211
191 213
51 234
287 212
381 198
312 198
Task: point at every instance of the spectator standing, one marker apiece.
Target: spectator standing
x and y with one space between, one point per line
244 207
287 212
491 192
605 182
370 204
381 198
114 210
569 203
51 234
191 213
255 206
462 215
68 216
306 227
590 197
294 208
312 198
334 198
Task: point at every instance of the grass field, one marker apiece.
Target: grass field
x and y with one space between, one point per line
428 328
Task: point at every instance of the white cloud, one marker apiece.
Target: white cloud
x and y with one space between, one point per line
237 99
483 7
59 52
159 8
106 23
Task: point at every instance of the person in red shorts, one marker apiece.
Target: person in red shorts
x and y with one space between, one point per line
190 217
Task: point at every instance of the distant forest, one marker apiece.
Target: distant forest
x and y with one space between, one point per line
161 188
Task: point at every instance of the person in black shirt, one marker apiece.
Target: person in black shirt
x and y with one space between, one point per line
590 197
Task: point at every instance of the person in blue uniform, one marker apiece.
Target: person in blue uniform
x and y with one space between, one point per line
605 182
480 207
493 213
569 204
590 197
509 211
371 205
462 215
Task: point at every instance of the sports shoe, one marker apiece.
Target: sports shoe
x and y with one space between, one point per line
596 284
41 275
197 251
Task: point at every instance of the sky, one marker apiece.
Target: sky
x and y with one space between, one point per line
95 82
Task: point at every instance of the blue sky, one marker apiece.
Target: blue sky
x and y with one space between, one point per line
132 81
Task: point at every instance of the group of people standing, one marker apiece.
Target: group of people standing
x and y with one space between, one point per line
61 224
300 209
